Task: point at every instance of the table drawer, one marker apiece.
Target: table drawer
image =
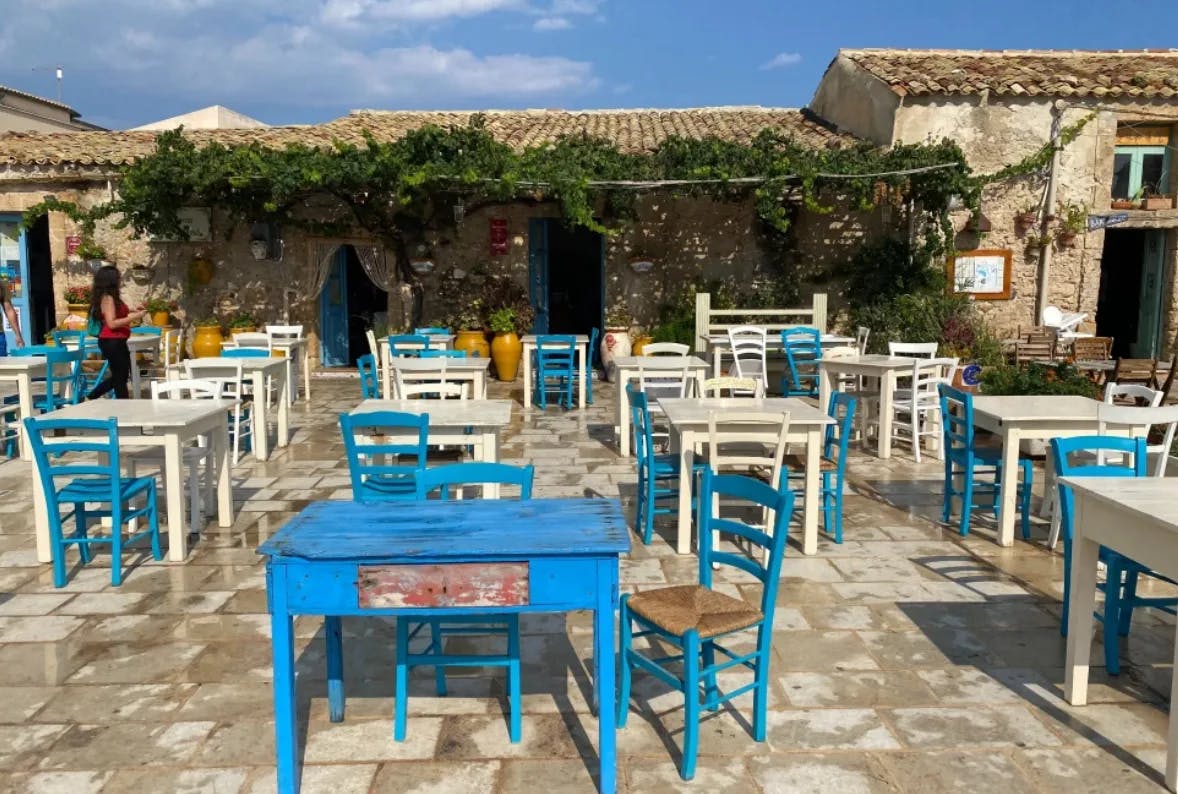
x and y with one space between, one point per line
495 584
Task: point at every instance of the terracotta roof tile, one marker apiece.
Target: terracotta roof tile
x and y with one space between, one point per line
1142 74
631 130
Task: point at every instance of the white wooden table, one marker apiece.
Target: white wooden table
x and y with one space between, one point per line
457 423
167 423
1042 417
887 369
259 370
450 370
689 430
627 370
21 370
583 356
719 345
1137 517
436 342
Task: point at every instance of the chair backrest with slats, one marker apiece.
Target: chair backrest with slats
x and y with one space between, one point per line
250 339
442 478
430 353
406 381
842 410
913 349
640 422
748 351
432 391
748 440
666 349
368 383
956 420
663 383
862 334
64 378
226 371
1093 348
1073 457
432 331
927 377
72 457
245 352
1163 417
555 354
1135 370
407 345
731 387
284 332
373 348
803 351
1132 393
374 442
185 389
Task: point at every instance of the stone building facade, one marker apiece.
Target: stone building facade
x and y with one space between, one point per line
1000 107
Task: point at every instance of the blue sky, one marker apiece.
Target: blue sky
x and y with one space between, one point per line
129 62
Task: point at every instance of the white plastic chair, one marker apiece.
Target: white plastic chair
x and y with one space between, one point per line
861 335
748 352
666 349
228 374
913 349
735 387
912 412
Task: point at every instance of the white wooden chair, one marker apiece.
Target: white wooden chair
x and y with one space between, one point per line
861 335
279 333
735 387
1132 394
432 391
228 374
431 381
1148 417
166 366
249 339
913 349
662 384
865 390
912 413
666 349
748 352
374 349
748 442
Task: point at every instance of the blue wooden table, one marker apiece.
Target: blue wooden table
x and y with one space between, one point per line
343 558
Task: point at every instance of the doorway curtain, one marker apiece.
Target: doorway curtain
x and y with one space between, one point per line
373 258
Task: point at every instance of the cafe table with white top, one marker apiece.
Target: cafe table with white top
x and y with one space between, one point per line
720 345
146 423
689 431
627 369
581 342
259 371
447 370
1136 517
887 369
21 370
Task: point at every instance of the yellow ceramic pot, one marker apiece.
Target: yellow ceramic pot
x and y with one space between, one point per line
76 319
506 350
474 343
640 343
207 342
160 319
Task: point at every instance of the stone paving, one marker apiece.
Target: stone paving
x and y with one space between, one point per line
906 659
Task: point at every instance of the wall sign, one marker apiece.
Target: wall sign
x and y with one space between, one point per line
72 243
498 236
1104 221
983 274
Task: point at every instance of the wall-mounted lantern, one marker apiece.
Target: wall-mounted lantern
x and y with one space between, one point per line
265 242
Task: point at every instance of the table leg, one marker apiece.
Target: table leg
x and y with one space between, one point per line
813 480
136 377
333 640
825 387
41 518
528 375
1081 602
490 454
174 482
887 390
222 455
1009 486
24 390
582 358
716 361
386 376
306 373
686 440
622 426
284 413
261 417
290 375
286 741
603 673
480 385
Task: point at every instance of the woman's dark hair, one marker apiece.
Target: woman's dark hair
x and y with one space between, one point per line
106 282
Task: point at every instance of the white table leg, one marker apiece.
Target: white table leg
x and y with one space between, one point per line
480 385
1009 485
41 518
261 415
284 413
825 387
622 426
582 364
222 457
136 386
290 375
306 372
24 390
174 483
715 361
686 440
528 348
490 454
387 373
887 390
1082 601
813 482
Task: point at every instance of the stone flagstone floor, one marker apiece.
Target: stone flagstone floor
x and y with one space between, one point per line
905 660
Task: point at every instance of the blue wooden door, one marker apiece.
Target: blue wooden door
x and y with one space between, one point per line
1150 307
538 272
333 314
14 272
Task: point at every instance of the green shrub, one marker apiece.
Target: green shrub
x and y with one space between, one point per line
1061 379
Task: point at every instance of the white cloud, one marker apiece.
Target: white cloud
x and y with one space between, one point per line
551 23
408 11
782 60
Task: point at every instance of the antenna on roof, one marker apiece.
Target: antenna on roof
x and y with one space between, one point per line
60 74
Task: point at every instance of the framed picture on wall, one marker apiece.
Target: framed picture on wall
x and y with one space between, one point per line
983 274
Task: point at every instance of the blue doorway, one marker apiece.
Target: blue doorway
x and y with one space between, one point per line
349 306
333 313
566 283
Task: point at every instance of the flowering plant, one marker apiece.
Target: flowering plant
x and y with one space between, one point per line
160 305
76 295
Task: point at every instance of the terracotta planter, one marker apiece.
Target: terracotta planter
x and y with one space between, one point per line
474 343
76 319
1026 218
1121 204
161 319
1066 239
207 341
1157 203
506 350
639 345
615 344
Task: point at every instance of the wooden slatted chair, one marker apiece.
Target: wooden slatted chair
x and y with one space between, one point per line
1142 371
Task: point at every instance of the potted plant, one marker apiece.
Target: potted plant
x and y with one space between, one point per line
1034 378
470 334
615 342
206 343
506 347
1073 221
1156 201
77 301
242 323
160 310
92 253
641 340
1027 216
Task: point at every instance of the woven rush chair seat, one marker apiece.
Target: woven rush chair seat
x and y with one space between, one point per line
691 606
798 463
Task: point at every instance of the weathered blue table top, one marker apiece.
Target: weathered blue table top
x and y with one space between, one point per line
471 528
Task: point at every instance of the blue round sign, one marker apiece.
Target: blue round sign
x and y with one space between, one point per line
971 375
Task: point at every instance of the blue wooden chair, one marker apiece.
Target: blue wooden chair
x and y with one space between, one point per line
556 369
1073 457
964 458
147 330
376 478
245 352
833 462
442 479
432 331
442 354
89 484
693 618
407 345
369 389
658 474
803 351
9 433
63 381
78 340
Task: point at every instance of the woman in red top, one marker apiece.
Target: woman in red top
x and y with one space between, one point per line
107 308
